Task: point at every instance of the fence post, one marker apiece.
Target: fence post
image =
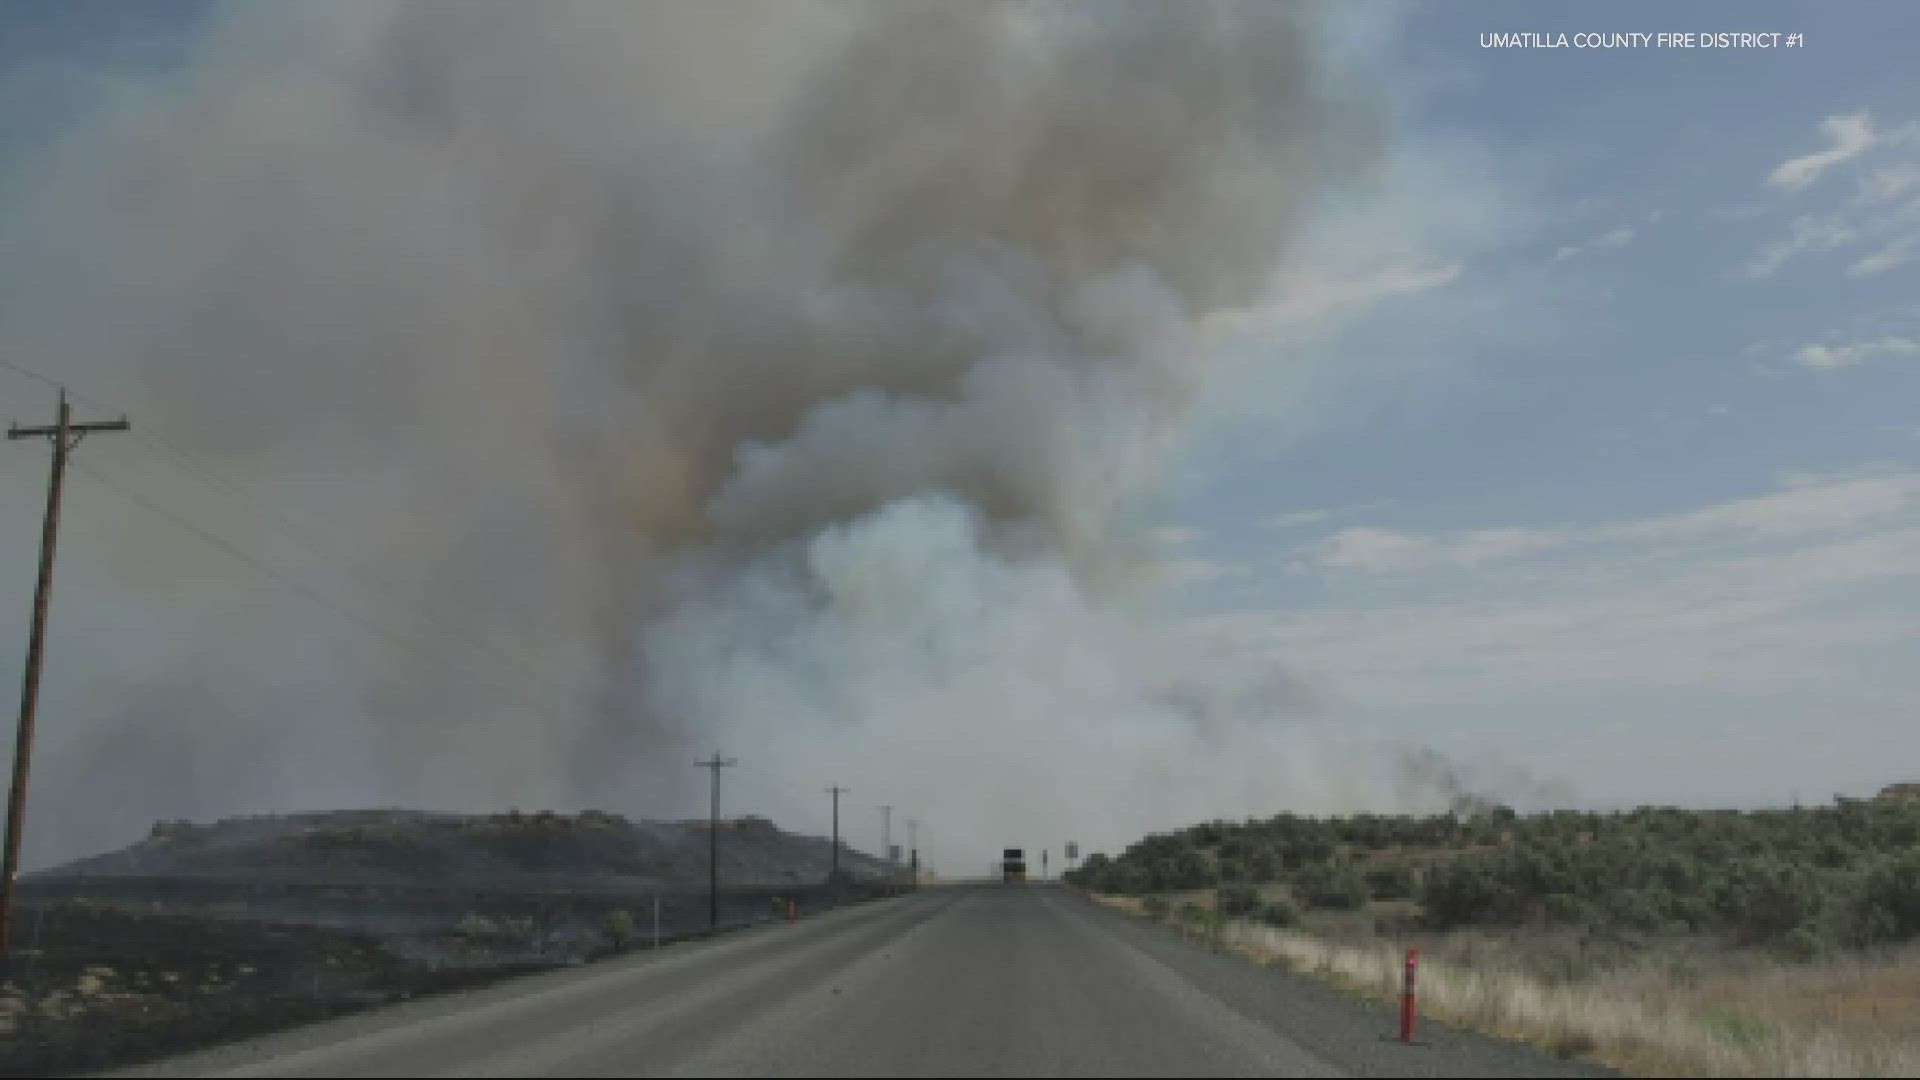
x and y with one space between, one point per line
656 922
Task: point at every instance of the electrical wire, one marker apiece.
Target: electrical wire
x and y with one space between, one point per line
279 520
305 590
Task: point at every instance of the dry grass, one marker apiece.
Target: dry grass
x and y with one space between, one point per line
1126 905
1671 1010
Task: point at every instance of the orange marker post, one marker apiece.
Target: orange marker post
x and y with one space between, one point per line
1406 998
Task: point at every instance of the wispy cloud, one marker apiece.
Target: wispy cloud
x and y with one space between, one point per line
1892 182
1849 135
1617 238
1181 573
1804 505
1182 565
1306 296
1370 549
1298 519
1721 597
1834 357
1898 253
1808 232
1883 211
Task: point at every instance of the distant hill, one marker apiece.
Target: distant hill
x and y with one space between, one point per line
363 845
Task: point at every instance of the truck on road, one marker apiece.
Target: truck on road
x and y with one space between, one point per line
1013 865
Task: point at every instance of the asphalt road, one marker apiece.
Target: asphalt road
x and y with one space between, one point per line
960 981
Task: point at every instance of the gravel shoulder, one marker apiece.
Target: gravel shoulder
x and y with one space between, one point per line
1355 1036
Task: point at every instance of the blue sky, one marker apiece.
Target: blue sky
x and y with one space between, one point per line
1579 438
1640 411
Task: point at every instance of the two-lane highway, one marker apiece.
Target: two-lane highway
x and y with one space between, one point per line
964 981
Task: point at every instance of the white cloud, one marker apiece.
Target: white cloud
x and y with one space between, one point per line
1889 183
1812 589
1375 550
1808 232
1884 211
1295 519
1835 357
1180 573
1308 295
1496 545
1175 536
1898 253
1391 294
1617 238
1804 506
1851 136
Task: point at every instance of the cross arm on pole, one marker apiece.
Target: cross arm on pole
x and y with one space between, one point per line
18 432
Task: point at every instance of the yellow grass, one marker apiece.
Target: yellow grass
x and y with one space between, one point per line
1735 1014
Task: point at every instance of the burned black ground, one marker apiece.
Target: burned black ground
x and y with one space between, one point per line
204 934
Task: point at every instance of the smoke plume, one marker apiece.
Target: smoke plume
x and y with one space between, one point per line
774 377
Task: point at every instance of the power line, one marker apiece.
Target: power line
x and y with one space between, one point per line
307 591
290 529
31 374
286 526
366 578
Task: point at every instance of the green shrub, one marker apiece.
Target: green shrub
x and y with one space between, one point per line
1390 881
1199 917
1638 909
1157 907
1802 943
1281 913
1327 887
1569 910
1237 901
1772 897
1847 873
1887 902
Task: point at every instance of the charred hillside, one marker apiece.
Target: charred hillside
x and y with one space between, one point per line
405 847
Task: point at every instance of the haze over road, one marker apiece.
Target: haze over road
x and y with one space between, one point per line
959 981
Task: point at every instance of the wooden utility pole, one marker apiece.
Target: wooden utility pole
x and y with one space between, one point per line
913 851
65 435
713 840
833 876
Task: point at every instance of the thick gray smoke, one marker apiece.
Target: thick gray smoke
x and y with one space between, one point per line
776 377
